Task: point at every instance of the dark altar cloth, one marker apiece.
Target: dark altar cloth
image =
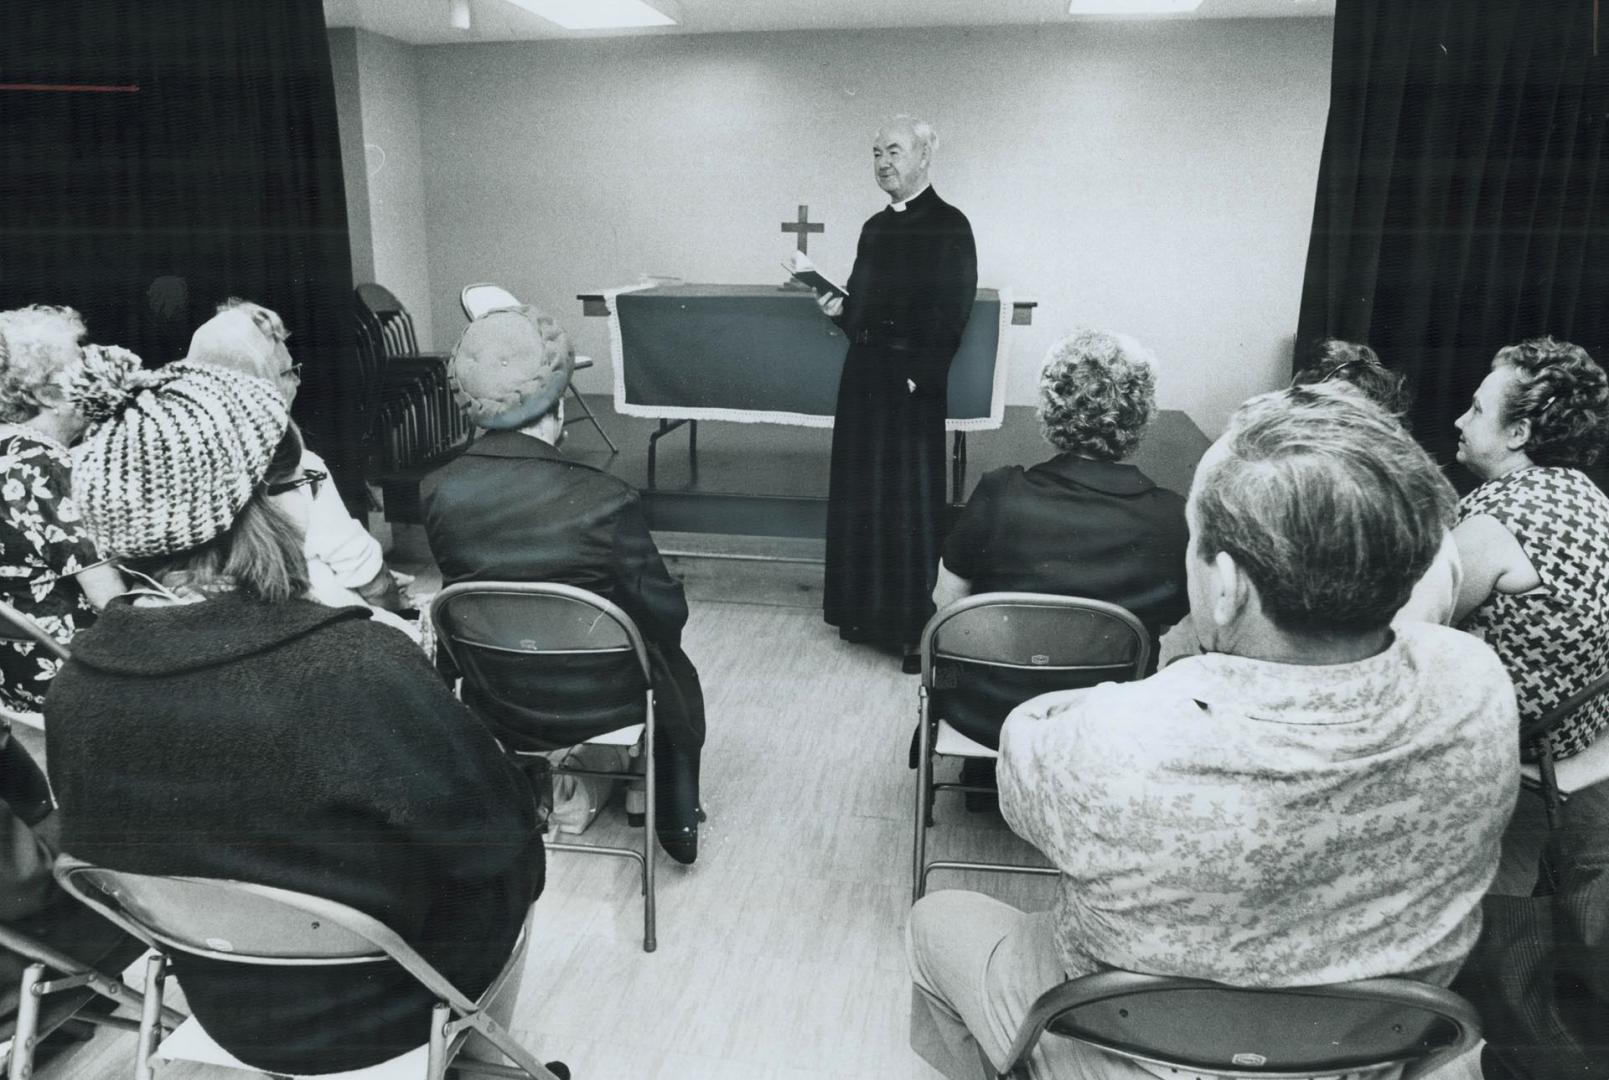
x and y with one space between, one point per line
759 349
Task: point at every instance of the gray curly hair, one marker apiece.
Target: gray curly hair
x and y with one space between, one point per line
37 344
1096 394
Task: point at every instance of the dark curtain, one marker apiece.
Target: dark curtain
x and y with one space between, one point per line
1461 202
196 158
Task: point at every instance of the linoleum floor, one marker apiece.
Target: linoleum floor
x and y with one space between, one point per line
781 951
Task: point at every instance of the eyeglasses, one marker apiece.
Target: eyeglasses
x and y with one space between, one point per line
1331 373
312 478
294 371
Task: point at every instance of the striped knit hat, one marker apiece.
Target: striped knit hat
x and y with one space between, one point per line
172 455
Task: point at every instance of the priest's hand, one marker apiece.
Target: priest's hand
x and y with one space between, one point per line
831 304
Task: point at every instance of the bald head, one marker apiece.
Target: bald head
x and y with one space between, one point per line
901 156
250 339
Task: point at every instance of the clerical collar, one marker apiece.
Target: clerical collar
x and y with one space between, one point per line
899 207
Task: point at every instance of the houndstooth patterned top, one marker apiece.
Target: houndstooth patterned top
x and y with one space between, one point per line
1555 638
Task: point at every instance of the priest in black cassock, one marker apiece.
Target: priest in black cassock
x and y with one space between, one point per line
910 294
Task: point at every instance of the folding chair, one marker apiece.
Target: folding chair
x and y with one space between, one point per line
1207 1029
57 987
1591 765
420 379
498 631
1047 643
15 626
483 296
245 923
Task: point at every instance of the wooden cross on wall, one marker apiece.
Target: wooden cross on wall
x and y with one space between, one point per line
804 227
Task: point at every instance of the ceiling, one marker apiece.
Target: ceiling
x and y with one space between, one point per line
424 22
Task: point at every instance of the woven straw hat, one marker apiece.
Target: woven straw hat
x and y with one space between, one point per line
510 366
173 455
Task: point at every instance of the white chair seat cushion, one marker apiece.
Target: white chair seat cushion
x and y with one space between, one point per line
190 1042
626 736
951 743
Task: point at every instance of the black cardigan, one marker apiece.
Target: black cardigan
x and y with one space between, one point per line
306 747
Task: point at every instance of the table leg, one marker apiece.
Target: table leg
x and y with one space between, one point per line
665 428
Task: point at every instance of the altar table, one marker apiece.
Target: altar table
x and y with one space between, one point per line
764 354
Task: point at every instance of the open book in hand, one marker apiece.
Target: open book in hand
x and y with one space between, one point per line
803 270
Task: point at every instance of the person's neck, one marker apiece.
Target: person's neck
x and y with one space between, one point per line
1511 464
50 424
894 198
1278 646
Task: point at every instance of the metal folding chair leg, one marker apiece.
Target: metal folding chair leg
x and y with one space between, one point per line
590 418
27 1033
150 1016
924 796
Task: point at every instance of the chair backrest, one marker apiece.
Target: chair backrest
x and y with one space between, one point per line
1039 631
1195 1025
984 655
483 296
549 665
15 626
1533 736
242 922
395 323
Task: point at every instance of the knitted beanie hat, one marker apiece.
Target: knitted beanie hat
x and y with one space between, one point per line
510 366
172 455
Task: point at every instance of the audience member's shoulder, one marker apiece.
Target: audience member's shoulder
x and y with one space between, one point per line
997 480
1431 643
1460 669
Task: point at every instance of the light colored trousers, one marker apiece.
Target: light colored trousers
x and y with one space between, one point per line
978 966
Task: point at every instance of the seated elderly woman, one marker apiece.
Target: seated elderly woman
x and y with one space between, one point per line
1534 540
341 555
1239 816
49 567
220 724
1080 524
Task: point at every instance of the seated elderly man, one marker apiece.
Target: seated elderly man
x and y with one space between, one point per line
513 508
1316 799
341 555
1081 524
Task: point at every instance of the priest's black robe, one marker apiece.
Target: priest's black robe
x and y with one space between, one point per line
910 294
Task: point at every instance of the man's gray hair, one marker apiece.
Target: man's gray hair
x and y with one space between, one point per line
920 128
1327 504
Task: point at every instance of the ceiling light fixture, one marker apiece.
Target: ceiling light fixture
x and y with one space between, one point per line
458 14
598 14
1131 7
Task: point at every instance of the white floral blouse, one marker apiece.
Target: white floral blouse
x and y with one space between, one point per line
42 545
1269 824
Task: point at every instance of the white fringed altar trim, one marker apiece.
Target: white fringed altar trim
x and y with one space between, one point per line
997 391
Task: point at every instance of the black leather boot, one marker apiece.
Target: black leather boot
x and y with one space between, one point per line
676 806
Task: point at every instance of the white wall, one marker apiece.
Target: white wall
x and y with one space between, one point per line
354 170
1155 178
392 250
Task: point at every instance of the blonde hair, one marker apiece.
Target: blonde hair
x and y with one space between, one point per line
37 344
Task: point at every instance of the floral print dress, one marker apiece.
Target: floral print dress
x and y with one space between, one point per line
42 545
